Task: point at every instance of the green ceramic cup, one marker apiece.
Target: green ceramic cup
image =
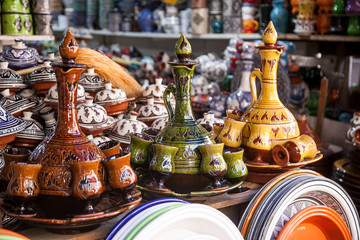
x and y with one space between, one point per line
237 169
16 23
213 164
162 165
139 148
15 6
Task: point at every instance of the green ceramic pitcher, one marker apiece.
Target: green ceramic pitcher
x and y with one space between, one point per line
182 130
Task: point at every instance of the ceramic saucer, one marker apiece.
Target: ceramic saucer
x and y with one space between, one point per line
278 168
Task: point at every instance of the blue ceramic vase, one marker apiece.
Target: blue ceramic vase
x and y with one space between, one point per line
279 16
144 20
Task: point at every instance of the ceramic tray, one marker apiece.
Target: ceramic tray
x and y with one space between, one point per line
277 168
110 206
192 196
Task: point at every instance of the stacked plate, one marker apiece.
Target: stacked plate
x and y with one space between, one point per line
172 218
278 208
347 174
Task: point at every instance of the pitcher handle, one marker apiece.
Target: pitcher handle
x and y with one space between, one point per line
170 89
254 74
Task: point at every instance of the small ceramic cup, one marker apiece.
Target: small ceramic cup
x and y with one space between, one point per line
110 148
23 186
237 169
213 164
162 164
139 148
231 134
13 154
217 128
86 183
121 176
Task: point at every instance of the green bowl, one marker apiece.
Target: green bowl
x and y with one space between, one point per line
17 23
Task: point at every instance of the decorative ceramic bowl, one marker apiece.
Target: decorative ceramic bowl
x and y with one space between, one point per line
9 79
99 139
92 82
113 100
15 103
151 112
33 133
52 98
124 127
21 56
43 79
209 119
9 126
154 90
160 123
93 118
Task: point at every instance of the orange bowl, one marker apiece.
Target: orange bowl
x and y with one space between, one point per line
315 222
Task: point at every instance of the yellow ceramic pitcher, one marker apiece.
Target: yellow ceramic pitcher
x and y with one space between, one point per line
267 120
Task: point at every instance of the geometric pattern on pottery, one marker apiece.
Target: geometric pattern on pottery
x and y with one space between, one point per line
15 103
160 123
239 100
33 130
9 124
9 75
289 212
22 57
269 116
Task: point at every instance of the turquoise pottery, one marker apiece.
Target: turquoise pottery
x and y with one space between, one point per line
237 169
182 130
15 6
279 16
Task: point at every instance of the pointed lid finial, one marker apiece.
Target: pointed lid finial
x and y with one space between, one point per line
68 48
183 49
270 35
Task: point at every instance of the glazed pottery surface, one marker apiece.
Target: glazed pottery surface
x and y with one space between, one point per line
68 144
91 81
236 167
277 16
86 180
110 147
182 130
13 154
267 120
120 173
17 23
15 6
15 103
9 78
231 134
24 180
139 148
20 56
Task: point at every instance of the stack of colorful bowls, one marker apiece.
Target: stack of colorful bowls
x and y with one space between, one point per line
298 204
172 218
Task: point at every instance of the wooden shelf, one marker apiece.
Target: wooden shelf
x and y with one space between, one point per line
27 37
223 36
